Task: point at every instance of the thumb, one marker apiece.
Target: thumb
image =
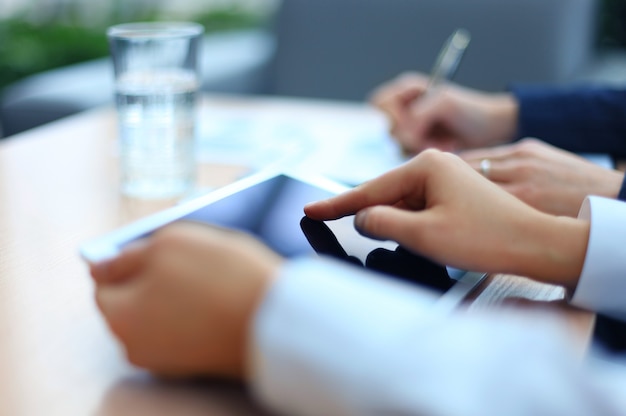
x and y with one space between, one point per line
128 262
390 223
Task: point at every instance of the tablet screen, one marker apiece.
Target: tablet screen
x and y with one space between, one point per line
271 210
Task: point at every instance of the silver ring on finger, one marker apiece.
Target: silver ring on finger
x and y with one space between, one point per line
485 167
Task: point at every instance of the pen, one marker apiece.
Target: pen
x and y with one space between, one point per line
448 59
446 65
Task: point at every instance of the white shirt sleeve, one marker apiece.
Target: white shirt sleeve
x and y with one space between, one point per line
602 284
331 339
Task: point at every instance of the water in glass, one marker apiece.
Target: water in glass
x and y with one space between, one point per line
156 111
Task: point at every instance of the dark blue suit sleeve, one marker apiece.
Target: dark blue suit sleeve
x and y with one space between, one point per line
578 119
591 119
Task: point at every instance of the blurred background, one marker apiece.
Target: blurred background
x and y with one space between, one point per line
36 35
308 48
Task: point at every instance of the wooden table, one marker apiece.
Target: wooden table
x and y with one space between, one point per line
59 188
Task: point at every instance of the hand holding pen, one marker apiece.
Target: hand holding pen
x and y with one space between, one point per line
445 67
423 115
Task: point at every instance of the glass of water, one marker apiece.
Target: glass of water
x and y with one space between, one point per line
156 86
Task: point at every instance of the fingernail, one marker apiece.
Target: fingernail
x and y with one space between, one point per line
360 222
360 218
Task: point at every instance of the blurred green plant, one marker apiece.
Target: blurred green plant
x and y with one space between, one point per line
229 18
28 46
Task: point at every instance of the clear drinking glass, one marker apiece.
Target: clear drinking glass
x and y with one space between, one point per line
156 87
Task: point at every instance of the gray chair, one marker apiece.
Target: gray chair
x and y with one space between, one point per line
342 49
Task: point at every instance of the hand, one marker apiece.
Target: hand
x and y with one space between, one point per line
545 177
181 301
452 118
438 206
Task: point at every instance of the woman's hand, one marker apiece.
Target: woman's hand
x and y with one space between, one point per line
451 118
182 300
545 177
438 206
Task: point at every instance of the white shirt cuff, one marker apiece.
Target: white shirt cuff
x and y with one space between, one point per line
602 283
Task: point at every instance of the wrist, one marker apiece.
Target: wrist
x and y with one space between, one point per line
555 249
504 115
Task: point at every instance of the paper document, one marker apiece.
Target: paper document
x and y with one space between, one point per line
348 152
350 149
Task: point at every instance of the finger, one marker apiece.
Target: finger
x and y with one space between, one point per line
128 262
405 85
516 189
397 111
397 96
424 116
394 99
500 171
114 301
503 152
390 223
388 189
406 141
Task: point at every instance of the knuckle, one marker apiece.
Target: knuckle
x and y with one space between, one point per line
408 78
527 147
518 148
437 158
530 141
527 170
524 170
430 156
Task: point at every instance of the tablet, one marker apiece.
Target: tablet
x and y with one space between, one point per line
269 205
